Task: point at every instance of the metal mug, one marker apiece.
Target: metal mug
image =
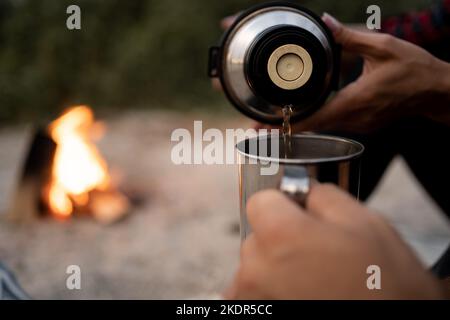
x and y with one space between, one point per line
312 157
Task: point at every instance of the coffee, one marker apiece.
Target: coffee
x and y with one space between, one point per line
286 130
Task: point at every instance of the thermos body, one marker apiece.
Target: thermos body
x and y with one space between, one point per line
276 54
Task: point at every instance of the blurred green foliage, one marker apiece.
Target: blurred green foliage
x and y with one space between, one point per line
133 53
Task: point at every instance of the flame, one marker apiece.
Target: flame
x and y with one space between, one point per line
78 166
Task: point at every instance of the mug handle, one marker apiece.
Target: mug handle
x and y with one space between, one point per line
296 183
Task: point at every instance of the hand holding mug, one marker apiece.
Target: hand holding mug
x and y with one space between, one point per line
323 251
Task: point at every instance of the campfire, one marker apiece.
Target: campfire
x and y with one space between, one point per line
65 175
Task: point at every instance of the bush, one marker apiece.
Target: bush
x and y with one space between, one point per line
128 53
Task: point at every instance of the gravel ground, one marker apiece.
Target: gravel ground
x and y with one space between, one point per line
183 241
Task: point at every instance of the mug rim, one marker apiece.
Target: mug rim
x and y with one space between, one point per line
240 146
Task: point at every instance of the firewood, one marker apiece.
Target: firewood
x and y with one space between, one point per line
27 202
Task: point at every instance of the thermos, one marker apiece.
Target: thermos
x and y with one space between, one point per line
276 54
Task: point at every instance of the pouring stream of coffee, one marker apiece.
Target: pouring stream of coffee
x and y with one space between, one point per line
286 130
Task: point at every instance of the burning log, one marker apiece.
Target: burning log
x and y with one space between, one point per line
108 207
27 200
65 174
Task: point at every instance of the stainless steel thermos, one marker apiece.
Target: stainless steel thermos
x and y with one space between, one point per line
276 54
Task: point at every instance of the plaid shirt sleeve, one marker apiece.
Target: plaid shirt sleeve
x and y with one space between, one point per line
422 28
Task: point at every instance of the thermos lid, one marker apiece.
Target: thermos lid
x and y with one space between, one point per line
289 67
276 54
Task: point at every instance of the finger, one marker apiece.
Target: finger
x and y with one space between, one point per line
248 250
216 84
350 39
273 216
226 22
230 292
245 282
331 204
260 126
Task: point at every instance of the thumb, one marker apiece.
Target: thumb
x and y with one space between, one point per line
350 39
